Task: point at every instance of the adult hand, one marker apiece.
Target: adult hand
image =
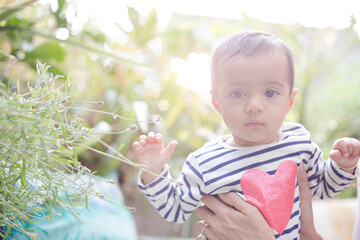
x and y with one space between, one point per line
233 218
307 228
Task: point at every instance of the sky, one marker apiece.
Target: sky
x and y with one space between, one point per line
309 13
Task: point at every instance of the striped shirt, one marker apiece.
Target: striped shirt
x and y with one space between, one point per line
217 168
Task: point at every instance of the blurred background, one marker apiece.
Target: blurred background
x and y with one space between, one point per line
150 59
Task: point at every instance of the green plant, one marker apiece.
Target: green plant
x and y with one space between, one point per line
39 143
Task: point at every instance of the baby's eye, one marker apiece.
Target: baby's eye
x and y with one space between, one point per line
271 93
237 94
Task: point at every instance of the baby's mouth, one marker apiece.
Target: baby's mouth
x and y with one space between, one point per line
254 123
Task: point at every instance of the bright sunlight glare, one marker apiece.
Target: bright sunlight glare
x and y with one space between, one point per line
193 74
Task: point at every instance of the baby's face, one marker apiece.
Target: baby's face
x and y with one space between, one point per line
253 96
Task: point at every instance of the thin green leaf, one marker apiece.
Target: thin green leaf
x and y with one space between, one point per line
87 202
23 174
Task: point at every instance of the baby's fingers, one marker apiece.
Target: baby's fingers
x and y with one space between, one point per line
356 149
150 137
159 138
136 146
142 140
351 148
335 154
346 147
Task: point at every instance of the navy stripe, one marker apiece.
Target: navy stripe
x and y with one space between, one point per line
161 207
189 188
188 212
211 145
292 129
177 214
168 197
316 161
168 212
314 153
294 135
305 162
234 183
295 214
288 230
325 186
313 177
338 174
182 195
201 192
254 165
153 183
342 184
266 150
216 157
209 151
194 170
163 189
314 193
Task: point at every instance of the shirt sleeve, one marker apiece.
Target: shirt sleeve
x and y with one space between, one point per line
176 200
326 178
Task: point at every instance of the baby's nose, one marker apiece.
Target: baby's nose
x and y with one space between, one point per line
255 104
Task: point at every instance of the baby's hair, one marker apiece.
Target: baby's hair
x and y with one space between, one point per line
247 44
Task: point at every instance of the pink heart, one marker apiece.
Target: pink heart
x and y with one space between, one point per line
273 196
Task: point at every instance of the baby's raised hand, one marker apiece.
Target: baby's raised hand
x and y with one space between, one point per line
346 153
150 151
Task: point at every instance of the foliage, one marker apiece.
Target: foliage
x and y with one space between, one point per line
39 144
37 151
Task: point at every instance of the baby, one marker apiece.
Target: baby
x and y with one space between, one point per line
252 78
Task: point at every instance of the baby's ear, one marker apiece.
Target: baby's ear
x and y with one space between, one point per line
292 98
214 101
